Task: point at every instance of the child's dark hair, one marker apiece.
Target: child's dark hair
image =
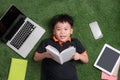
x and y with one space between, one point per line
61 18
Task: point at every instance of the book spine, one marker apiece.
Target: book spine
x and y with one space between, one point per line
61 61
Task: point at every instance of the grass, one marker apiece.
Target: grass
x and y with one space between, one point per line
105 12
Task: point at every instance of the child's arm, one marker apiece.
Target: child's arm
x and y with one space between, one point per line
41 56
82 57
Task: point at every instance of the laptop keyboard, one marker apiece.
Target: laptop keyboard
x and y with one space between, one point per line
22 35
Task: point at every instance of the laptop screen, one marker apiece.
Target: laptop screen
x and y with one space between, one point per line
7 20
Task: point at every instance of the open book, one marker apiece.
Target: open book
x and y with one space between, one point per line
63 56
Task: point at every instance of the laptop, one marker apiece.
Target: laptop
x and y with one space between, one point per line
19 32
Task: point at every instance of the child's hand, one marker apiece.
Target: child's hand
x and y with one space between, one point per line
48 55
41 56
76 56
82 57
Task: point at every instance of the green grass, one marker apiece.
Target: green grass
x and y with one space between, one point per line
105 12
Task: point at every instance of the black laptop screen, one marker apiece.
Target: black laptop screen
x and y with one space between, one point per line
8 18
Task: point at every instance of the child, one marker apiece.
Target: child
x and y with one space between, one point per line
62 30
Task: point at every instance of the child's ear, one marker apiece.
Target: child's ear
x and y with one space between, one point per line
71 31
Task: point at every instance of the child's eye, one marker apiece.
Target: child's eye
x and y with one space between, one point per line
66 29
58 29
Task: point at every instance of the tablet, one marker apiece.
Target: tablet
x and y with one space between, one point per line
108 59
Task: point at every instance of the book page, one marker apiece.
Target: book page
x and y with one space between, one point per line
52 49
67 54
54 52
57 59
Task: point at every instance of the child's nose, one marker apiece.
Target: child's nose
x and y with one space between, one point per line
62 31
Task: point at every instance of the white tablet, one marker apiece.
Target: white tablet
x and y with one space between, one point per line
108 59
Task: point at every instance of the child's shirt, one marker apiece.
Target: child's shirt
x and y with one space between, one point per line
51 70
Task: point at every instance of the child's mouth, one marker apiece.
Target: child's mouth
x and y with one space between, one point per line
62 37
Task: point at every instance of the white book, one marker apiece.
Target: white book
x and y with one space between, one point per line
63 56
96 30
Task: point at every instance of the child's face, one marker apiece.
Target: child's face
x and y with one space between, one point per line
62 31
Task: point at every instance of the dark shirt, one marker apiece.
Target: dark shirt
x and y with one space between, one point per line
51 70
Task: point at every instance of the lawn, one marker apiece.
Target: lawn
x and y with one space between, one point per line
105 12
